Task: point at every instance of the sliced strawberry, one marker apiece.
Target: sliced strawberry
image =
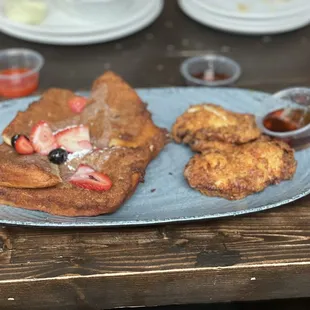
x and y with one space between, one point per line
83 171
42 138
77 104
86 177
74 139
23 146
90 184
102 178
85 145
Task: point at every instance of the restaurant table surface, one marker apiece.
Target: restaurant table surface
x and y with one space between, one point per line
258 256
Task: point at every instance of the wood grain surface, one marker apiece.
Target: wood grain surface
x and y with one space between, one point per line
255 257
265 256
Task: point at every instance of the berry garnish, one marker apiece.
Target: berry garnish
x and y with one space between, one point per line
58 156
74 139
22 145
42 138
14 139
77 104
86 177
83 171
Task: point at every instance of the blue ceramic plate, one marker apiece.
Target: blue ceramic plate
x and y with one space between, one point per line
165 196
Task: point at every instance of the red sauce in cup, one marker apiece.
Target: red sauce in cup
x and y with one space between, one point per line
15 83
211 78
277 121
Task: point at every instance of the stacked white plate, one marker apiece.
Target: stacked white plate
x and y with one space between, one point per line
258 17
63 28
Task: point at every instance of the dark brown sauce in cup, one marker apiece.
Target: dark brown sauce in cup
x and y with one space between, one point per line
277 121
211 77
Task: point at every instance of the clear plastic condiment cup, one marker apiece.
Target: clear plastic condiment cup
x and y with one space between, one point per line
297 98
210 66
19 72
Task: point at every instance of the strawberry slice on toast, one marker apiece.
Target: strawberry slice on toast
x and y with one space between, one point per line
42 138
77 104
86 177
74 139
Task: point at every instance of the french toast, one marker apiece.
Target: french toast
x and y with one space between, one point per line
53 108
124 140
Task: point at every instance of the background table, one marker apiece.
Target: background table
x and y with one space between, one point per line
254 257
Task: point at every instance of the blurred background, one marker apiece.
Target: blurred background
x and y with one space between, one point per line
146 41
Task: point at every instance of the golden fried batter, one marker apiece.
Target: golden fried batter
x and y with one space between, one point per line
234 172
203 145
209 122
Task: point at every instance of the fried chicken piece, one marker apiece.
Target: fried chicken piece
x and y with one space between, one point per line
209 122
234 172
203 145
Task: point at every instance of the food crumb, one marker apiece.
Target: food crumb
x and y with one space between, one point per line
153 190
225 49
11 298
253 279
118 46
242 7
185 42
160 67
149 36
169 24
266 39
170 47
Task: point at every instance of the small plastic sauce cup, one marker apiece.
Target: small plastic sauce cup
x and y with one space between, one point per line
224 71
19 72
294 98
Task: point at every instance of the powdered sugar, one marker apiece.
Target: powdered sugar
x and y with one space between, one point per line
78 154
68 127
70 167
75 155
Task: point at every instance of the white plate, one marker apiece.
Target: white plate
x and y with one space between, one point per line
94 11
58 23
133 25
254 27
256 8
254 24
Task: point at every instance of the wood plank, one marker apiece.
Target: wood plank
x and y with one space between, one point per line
197 285
280 236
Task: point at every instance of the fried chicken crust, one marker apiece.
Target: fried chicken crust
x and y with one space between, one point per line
209 122
234 172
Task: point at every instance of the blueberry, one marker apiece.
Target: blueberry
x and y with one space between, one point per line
15 138
58 156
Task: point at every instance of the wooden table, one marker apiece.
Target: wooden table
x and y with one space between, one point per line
254 257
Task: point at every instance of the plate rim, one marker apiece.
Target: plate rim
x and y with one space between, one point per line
250 15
